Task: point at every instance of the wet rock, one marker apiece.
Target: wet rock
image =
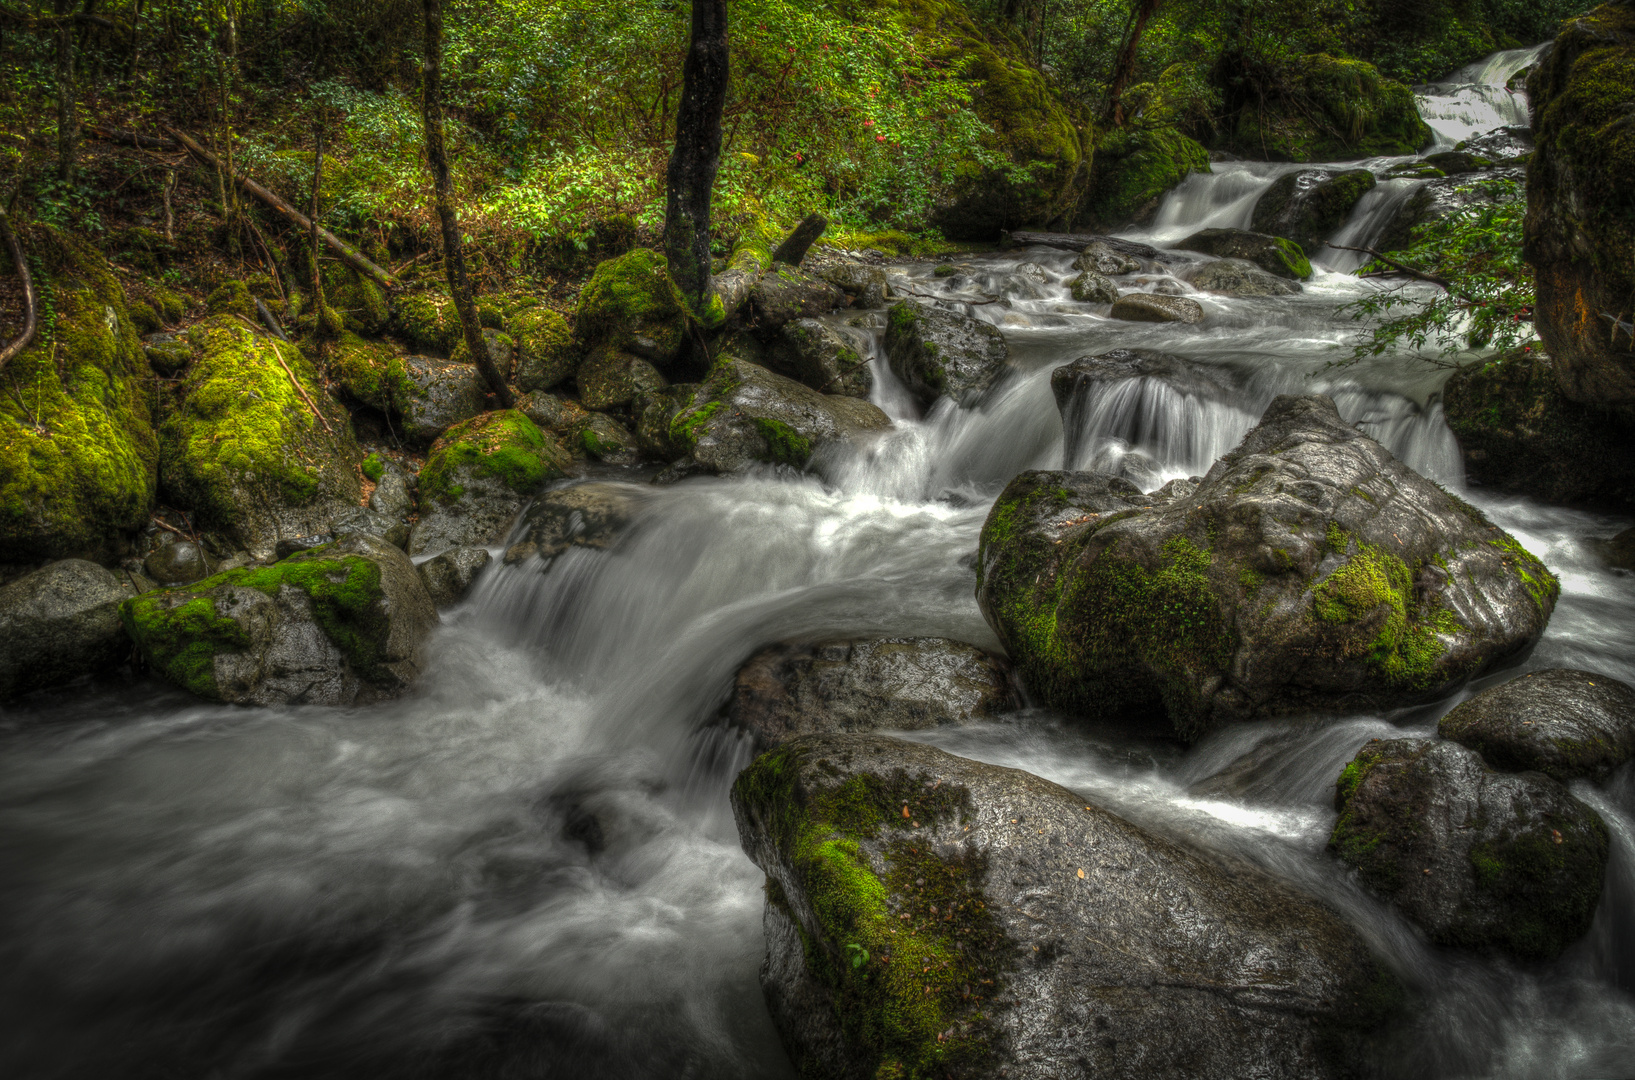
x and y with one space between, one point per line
59 623
335 625
1273 254
1309 206
872 684
594 515
655 411
605 439
1310 571
1153 307
823 357
560 416
502 350
1094 287
1499 144
1562 723
785 294
477 476
391 528
1455 162
1101 258
743 414
942 353
449 576
179 562
631 304
1072 383
545 354
1239 277
391 495
609 378
1621 550
1131 171
438 395
1476 858
289 545
852 278
1014 930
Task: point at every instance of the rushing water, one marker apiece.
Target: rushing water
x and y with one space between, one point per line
527 867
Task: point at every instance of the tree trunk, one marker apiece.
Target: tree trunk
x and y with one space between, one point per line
67 111
454 258
690 178
1126 61
317 269
797 243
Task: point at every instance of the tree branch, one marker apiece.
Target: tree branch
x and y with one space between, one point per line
1446 285
31 314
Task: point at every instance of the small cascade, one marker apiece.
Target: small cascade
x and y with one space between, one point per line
1477 98
1368 221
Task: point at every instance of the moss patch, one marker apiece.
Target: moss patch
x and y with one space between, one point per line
1134 169
369 372
504 445
1373 592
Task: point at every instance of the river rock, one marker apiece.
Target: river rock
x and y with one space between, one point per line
1153 307
605 439
545 355
943 353
1310 571
609 378
1094 287
477 476
449 576
339 624
872 684
392 528
1562 723
1273 254
59 623
785 294
743 414
929 915
1239 277
438 395
1310 205
631 304
594 515
1101 258
1475 858
177 562
821 356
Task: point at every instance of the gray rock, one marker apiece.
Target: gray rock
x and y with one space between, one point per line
391 495
1094 287
1475 858
1012 930
594 515
1239 277
824 358
480 517
445 393
1310 571
335 625
59 623
1310 205
871 684
391 528
1152 307
1101 258
852 278
609 378
655 410
942 353
179 562
605 439
449 576
785 294
1562 723
289 545
1273 254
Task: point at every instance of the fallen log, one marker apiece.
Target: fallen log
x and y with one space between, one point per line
31 313
1080 241
733 284
799 241
131 138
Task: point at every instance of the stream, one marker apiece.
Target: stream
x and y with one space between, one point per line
528 867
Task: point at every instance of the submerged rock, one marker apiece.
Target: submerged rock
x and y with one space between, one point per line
478 475
59 623
1310 571
1475 858
1564 724
943 353
1153 307
1239 277
871 684
593 515
1309 206
1273 254
928 915
335 625
449 576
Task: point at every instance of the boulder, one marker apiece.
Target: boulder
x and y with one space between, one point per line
852 278
742 414
928 915
605 439
357 299
631 304
1273 254
943 353
1094 287
1103 259
392 528
785 294
1309 571
177 562
478 475
502 350
167 353
1326 108
1455 162
436 395
1562 723
1309 206
545 353
59 623
339 624
824 358
1132 171
593 515
1071 384
869 684
244 451
1476 858
609 378
427 320
562 417
1156 307
370 373
1239 277
78 456
391 495
449 576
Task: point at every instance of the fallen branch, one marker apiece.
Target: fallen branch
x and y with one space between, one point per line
131 138
800 239
1406 269
270 320
31 313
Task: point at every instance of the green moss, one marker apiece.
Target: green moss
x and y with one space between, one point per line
360 302
232 298
1375 587
181 642
170 305
545 354
1293 257
945 271
630 295
1550 885
1333 109
689 425
374 467
1338 539
1543 586
504 445
1133 169
428 320
787 445
369 372
144 320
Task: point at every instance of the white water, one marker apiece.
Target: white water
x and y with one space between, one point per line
527 867
1476 98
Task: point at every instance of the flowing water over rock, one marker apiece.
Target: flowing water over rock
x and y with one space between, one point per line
529 868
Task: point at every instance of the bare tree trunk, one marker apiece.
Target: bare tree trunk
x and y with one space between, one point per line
67 96
317 272
454 259
1126 61
690 178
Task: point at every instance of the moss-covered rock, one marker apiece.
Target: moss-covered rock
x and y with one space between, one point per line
1309 206
545 353
369 372
1565 724
243 449
337 624
609 378
929 916
605 439
1273 254
825 358
1334 109
943 353
477 476
427 320
631 304
1309 572
1239 277
232 298
1094 287
78 457
359 300
1476 858
1134 169
784 294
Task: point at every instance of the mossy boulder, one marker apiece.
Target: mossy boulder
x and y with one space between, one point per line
427 320
1478 859
1309 572
434 395
826 358
360 302
78 456
370 373
1103 258
1094 287
743 414
545 354
1273 254
1309 206
609 378
1133 170
1565 724
654 412
502 351
1332 109
1519 432
1580 184
337 624
943 353
58 624
477 476
243 449
631 304
928 915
